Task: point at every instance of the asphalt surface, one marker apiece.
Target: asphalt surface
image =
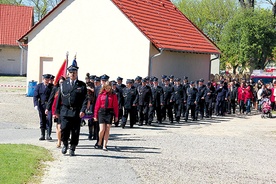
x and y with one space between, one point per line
230 149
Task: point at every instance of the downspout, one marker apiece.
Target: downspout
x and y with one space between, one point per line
218 55
150 62
21 56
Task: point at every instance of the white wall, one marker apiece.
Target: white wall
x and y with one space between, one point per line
10 60
215 65
103 38
195 66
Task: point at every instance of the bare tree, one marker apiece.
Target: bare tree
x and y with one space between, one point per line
273 7
247 4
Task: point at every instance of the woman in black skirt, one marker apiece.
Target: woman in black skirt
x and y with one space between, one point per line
105 109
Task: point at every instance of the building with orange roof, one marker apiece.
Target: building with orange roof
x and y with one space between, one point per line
14 22
120 38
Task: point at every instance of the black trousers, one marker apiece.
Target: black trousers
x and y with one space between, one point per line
143 113
209 109
70 125
46 122
200 108
231 106
220 107
167 109
156 109
177 111
132 116
192 107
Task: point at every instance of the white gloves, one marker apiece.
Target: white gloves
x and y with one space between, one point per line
36 108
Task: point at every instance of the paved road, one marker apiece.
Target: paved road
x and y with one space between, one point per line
232 149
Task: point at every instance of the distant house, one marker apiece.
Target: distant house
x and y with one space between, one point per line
14 22
120 38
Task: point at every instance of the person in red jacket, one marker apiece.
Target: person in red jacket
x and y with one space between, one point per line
241 97
248 97
273 96
105 109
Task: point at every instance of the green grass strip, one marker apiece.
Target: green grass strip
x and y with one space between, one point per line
22 163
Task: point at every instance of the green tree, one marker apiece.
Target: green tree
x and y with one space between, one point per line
210 16
248 39
14 2
41 7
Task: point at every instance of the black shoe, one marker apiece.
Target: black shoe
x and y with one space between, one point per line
64 149
49 138
42 138
71 152
123 125
90 137
131 126
140 124
98 146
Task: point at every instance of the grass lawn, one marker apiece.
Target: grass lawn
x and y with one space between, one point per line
22 163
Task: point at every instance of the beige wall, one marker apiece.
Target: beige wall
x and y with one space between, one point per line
103 38
10 61
195 66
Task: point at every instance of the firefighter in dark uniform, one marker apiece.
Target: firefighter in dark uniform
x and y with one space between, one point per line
130 102
171 77
120 86
137 81
209 98
168 105
71 106
178 98
144 101
191 101
200 106
95 124
222 93
119 93
186 85
41 96
162 82
157 102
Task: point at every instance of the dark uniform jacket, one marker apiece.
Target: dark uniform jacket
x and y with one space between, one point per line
210 94
120 97
191 96
144 95
157 96
178 94
72 99
222 93
42 94
52 98
232 94
129 97
168 94
201 92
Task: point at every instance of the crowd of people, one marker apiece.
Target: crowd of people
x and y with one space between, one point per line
142 101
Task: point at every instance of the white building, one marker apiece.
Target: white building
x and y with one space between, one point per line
120 38
14 22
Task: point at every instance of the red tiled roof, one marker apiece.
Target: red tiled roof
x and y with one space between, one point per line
165 26
14 22
162 23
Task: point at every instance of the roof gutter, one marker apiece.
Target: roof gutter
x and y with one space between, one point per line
21 56
150 61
